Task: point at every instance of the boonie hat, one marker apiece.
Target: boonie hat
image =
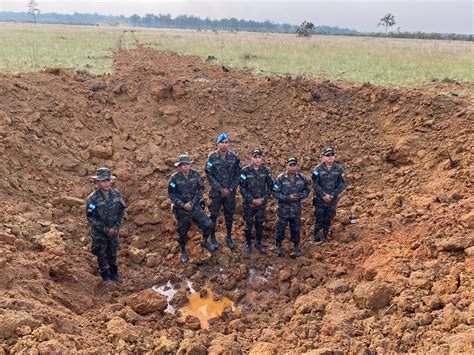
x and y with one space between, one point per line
183 159
102 174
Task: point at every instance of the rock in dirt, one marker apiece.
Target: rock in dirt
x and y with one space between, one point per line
373 295
147 301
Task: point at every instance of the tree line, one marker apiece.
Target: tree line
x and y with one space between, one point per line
193 22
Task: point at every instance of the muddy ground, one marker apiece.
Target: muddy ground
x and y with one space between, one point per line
399 280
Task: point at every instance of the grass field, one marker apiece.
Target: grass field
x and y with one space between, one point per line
387 62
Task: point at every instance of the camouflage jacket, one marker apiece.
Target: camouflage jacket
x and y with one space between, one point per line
183 189
105 212
283 187
328 181
222 173
255 184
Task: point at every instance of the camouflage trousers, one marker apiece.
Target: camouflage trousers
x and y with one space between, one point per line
295 228
184 219
105 249
253 216
323 215
228 204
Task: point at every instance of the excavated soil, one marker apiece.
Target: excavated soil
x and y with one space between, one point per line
399 280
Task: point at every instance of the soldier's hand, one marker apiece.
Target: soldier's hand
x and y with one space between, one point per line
112 232
188 206
225 192
327 198
293 198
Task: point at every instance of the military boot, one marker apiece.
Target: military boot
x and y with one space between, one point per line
105 276
278 251
316 238
184 254
248 242
114 276
205 244
298 251
258 242
324 238
229 242
214 245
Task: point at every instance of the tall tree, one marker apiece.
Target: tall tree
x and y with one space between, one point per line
33 9
387 21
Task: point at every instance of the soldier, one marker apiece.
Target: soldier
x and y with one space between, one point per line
328 183
222 171
289 189
105 212
186 190
256 187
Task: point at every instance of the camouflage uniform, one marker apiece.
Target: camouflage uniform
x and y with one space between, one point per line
289 212
222 173
181 190
333 183
105 212
255 185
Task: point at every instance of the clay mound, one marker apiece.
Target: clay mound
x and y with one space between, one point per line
398 280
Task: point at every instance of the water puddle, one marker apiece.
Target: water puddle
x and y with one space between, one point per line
206 308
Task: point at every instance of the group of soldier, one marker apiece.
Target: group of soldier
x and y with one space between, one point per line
105 207
224 175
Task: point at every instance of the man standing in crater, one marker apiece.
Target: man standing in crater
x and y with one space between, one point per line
328 183
105 212
222 171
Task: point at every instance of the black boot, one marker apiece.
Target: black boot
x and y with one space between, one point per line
325 235
184 254
316 238
298 251
114 276
205 244
214 245
258 242
278 248
248 241
229 242
105 276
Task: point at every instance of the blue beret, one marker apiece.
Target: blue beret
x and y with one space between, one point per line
222 137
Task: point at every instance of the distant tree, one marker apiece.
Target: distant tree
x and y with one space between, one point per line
387 21
33 9
306 29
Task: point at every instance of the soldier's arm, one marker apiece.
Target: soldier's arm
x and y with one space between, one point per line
317 187
210 174
120 215
277 191
269 186
92 218
244 186
236 175
199 193
341 184
172 193
305 193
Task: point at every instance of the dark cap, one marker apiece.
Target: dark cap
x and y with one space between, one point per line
291 161
255 152
183 159
102 174
329 151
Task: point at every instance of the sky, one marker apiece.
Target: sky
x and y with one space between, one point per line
455 16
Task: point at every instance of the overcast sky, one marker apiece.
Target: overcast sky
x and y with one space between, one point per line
363 15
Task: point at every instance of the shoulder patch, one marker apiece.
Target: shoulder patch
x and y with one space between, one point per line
209 164
276 186
172 184
243 177
91 206
315 173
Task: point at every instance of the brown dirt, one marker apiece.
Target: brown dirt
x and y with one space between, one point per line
401 279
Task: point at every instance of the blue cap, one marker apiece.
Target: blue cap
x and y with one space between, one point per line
222 137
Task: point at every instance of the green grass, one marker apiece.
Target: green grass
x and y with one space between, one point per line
387 62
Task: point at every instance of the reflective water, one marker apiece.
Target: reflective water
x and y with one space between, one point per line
168 291
206 308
